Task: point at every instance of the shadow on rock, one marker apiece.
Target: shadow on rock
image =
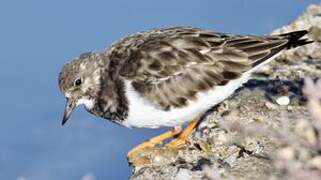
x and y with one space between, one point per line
274 88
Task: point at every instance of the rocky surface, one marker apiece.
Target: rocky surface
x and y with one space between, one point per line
269 129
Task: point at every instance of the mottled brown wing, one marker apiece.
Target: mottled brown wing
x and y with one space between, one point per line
170 71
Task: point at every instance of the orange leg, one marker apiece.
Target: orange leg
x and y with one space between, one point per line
182 139
154 141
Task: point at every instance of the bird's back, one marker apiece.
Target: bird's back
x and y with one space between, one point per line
170 66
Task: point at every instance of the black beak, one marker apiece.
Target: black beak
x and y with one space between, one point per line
70 106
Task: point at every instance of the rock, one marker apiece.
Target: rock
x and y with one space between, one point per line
305 129
248 136
183 174
283 100
315 33
316 162
270 105
287 153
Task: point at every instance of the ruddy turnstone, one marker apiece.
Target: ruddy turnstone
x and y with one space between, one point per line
165 77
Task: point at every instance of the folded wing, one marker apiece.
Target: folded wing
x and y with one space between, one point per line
172 69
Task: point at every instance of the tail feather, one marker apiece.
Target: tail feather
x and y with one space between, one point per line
295 39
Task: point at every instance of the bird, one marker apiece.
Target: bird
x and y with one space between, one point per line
167 77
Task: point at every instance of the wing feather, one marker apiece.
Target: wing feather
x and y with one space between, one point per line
175 64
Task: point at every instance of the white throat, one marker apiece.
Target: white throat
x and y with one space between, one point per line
89 103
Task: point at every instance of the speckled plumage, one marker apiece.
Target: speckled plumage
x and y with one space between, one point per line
167 68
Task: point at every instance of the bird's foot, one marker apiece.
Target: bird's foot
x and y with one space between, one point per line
150 143
182 139
177 142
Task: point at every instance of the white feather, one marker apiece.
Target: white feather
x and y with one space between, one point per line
87 102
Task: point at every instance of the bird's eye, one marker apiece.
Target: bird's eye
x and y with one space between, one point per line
78 82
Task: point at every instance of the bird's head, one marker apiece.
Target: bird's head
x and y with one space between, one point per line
80 80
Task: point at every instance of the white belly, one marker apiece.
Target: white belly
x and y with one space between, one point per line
143 114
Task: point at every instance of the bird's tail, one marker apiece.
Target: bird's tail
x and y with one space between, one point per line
295 38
